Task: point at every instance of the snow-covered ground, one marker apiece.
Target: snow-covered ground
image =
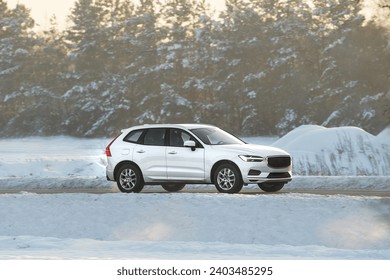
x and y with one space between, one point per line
195 225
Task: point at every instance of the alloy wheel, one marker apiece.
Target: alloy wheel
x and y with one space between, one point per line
128 179
226 179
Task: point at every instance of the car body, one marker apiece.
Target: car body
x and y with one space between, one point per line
173 155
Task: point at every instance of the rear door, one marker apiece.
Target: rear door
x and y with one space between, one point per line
184 164
150 155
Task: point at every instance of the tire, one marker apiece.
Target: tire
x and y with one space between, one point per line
227 178
173 187
271 187
129 179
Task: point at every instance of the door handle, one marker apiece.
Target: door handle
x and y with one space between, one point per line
172 153
140 151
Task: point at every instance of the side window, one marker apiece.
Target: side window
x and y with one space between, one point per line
177 137
134 136
155 137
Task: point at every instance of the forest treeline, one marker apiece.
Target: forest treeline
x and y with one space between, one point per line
256 67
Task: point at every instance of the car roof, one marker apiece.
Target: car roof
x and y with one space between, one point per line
182 126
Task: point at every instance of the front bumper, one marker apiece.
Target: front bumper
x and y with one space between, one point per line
269 177
259 172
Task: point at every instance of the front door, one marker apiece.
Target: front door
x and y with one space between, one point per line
184 164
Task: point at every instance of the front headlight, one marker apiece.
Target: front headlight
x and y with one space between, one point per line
248 158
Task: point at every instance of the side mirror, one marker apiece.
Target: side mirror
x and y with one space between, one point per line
191 144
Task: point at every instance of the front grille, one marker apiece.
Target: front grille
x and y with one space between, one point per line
279 162
281 175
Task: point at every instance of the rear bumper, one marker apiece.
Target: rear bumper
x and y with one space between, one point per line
109 175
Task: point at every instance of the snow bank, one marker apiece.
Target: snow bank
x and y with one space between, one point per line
384 136
52 163
197 226
341 151
50 157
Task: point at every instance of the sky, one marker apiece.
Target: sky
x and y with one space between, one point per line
43 10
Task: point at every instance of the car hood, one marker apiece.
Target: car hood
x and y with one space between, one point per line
252 149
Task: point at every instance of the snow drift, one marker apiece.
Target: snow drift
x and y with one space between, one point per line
341 151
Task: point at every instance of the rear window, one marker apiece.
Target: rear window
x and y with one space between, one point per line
155 137
134 136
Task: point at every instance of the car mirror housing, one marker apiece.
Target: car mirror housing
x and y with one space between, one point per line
191 144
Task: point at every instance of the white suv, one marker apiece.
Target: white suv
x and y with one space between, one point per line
175 155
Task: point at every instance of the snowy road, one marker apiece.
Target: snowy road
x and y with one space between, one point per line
326 192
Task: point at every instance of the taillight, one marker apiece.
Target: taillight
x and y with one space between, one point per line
108 151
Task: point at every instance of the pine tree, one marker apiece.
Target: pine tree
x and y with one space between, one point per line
244 49
346 90
292 45
17 42
145 74
84 39
175 105
261 67
203 62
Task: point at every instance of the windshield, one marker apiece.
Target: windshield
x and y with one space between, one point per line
215 136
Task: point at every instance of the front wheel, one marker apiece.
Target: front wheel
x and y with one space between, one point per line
173 187
227 178
129 179
271 187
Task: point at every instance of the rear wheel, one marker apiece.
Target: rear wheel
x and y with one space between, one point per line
129 179
271 187
173 187
227 178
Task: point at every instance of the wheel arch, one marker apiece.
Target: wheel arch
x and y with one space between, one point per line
218 163
120 164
